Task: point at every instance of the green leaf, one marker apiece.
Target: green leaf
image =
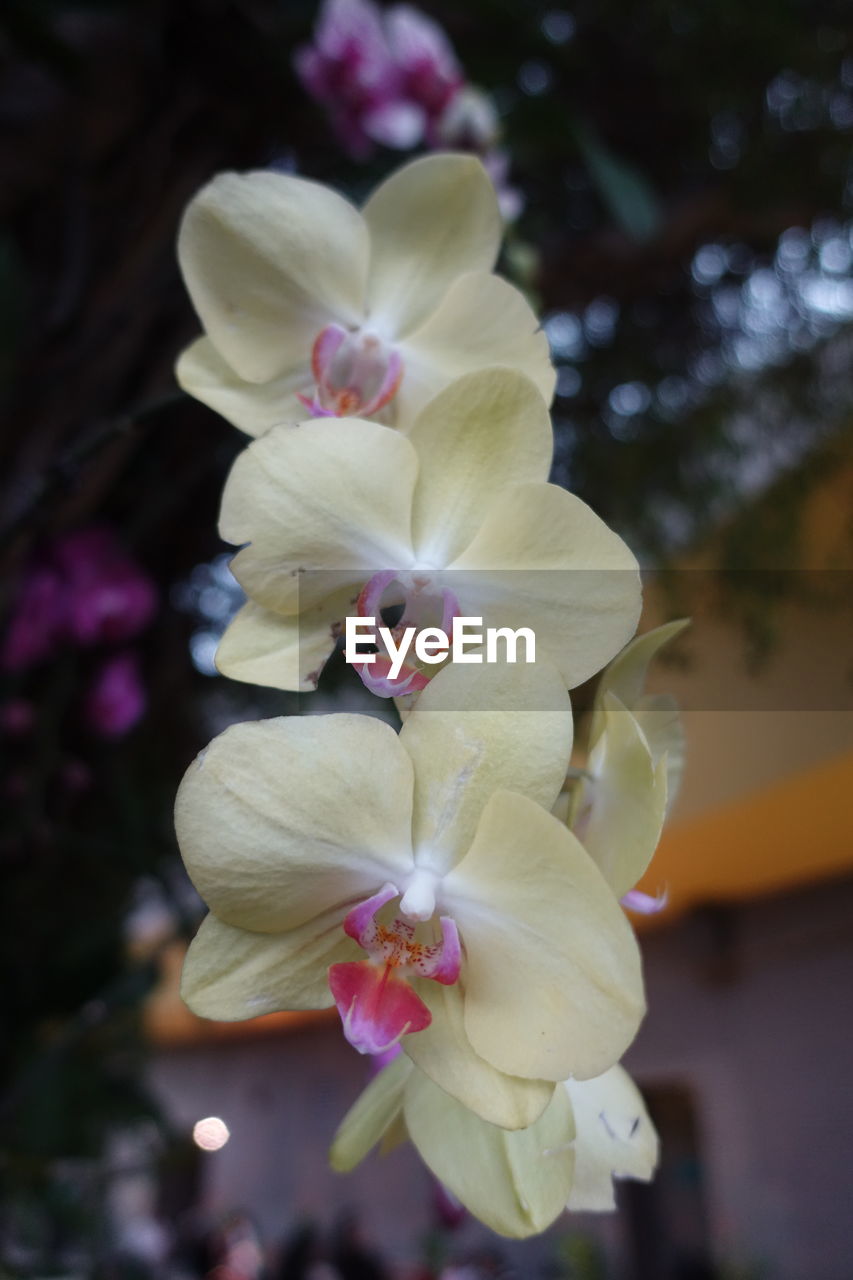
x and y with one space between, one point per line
625 191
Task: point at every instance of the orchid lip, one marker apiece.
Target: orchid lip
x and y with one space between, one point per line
356 373
376 1003
425 603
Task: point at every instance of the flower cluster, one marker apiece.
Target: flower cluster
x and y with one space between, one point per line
456 889
83 591
393 78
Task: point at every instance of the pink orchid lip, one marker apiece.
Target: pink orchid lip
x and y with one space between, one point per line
356 373
376 1004
377 1009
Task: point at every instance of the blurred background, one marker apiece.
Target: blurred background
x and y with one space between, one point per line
677 180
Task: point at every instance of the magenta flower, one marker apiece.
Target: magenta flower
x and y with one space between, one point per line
38 622
86 590
386 81
430 72
350 70
108 596
116 700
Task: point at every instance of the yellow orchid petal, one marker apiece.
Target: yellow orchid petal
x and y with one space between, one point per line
626 674
264 648
269 260
544 560
615 1138
231 974
627 799
322 505
481 321
444 1053
657 714
484 431
429 222
280 820
516 1183
252 407
476 729
371 1116
548 950
659 718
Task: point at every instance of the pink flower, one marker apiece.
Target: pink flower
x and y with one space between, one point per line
381 81
116 699
349 69
38 622
109 598
84 589
425 59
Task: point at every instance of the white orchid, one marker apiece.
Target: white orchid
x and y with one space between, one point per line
346 515
304 300
618 805
316 839
517 1183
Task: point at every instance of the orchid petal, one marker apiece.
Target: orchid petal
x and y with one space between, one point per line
476 729
282 820
269 260
482 321
543 559
484 431
516 1183
626 675
549 951
321 505
444 1052
615 1138
659 717
376 676
252 407
429 222
628 800
657 714
231 974
263 648
371 1116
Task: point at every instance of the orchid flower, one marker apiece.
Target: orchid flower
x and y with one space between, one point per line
308 303
618 805
517 1183
432 76
455 518
419 882
351 70
383 77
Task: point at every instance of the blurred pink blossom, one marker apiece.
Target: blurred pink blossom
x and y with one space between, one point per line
393 77
116 699
37 625
109 598
83 589
430 72
382 78
349 69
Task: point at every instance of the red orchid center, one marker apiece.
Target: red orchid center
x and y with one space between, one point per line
376 1003
355 372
